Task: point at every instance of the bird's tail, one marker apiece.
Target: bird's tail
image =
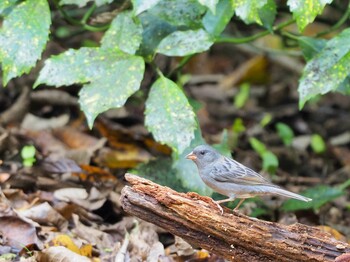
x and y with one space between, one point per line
286 193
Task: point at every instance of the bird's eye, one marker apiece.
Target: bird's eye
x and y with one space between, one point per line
202 153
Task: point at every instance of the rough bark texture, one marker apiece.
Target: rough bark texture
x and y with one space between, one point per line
232 235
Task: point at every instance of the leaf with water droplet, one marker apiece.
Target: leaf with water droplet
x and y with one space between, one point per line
327 70
23 36
169 116
110 77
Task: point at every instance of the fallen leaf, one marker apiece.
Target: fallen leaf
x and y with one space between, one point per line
60 254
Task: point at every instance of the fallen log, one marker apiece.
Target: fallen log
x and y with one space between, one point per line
232 235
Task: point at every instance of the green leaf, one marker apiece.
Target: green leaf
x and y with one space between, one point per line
79 3
154 30
162 172
111 76
28 155
215 24
143 5
187 13
248 10
103 2
23 36
242 96
6 5
28 152
169 116
238 126
344 87
328 69
317 144
166 17
267 118
311 46
187 171
124 33
258 146
306 11
211 4
267 14
183 43
82 3
285 133
270 161
320 195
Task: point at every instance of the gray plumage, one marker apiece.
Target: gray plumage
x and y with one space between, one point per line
230 178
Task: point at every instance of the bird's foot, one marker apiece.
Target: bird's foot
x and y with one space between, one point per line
219 207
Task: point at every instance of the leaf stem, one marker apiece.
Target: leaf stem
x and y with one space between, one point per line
338 24
88 13
182 63
290 35
156 68
242 40
82 23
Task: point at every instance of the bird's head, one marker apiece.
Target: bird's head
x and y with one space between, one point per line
203 155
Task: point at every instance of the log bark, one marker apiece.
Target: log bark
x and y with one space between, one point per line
231 235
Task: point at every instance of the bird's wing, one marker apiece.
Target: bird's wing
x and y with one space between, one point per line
231 171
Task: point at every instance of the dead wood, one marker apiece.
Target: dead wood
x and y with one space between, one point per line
232 235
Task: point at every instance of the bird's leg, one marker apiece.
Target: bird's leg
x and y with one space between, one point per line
239 203
219 207
223 201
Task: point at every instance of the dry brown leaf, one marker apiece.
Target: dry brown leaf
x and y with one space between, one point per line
60 254
45 214
17 232
336 234
76 139
60 165
95 237
126 158
34 123
66 241
70 194
252 71
95 174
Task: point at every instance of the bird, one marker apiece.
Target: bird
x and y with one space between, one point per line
233 179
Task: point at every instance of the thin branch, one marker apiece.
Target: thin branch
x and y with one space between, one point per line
242 40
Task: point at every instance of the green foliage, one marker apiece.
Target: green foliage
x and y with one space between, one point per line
125 33
28 22
111 72
169 115
267 118
317 144
320 195
183 43
242 96
305 11
211 4
238 126
6 5
82 3
28 155
250 10
310 46
270 161
112 77
285 133
214 24
142 5
327 70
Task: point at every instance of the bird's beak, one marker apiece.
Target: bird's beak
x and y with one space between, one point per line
191 156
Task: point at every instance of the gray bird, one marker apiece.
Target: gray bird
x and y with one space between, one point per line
230 178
